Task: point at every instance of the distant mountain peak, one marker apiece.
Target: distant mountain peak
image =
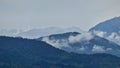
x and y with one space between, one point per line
109 29
111 25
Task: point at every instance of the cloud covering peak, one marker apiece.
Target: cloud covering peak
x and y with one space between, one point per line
81 37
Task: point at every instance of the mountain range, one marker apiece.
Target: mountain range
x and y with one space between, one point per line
62 47
82 43
38 32
30 53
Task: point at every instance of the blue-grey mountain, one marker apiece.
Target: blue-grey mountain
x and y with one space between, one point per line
109 29
26 53
82 43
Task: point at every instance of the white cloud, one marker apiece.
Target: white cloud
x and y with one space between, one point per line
82 48
114 37
97 48
56 43
100 33
65 44
80 37
108 49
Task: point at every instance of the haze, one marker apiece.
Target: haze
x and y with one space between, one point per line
23 14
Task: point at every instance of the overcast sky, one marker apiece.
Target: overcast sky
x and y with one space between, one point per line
84 14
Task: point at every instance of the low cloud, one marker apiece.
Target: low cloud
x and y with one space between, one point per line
82 48
114 37
100 33
56 43
97 48
80 37
65 44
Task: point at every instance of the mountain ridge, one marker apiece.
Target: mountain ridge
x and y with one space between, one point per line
25 53
87 43
109 29
107 25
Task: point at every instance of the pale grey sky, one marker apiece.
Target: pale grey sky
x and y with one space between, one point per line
62 13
